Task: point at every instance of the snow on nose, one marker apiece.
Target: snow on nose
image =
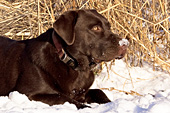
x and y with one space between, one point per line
124 42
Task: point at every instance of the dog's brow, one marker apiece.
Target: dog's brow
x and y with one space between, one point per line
108 24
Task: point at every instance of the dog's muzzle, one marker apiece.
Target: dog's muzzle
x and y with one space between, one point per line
124 43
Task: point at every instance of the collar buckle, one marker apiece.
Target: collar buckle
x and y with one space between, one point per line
68 60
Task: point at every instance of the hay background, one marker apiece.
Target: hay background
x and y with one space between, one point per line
145 22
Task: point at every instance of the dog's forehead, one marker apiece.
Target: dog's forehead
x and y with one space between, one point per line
92 16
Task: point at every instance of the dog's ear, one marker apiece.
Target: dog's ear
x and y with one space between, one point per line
64 26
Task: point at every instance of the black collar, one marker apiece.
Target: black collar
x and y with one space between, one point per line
62 54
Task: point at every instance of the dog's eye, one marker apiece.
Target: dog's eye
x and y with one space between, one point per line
97 28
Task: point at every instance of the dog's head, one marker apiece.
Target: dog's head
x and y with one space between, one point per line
87 35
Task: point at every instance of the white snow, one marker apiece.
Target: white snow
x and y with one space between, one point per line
124 42
150 93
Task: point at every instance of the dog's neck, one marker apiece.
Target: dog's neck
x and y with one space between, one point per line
69 60
62 54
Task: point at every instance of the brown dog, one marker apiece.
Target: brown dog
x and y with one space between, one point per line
56 66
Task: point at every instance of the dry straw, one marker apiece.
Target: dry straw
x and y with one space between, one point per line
145 22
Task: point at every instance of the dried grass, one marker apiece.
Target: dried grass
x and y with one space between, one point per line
145 22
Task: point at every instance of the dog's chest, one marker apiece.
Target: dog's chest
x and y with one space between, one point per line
80 83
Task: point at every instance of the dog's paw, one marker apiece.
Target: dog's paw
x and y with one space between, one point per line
82 106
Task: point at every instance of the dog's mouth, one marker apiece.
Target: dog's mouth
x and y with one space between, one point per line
94 62
97 60
121 53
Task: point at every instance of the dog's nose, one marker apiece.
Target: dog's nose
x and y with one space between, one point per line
124 43
122 48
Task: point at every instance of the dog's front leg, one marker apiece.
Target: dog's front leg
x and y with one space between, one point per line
53 99
96 96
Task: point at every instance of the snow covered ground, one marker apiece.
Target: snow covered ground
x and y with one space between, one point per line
132 90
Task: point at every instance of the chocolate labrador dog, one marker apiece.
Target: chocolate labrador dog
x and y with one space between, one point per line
57 66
